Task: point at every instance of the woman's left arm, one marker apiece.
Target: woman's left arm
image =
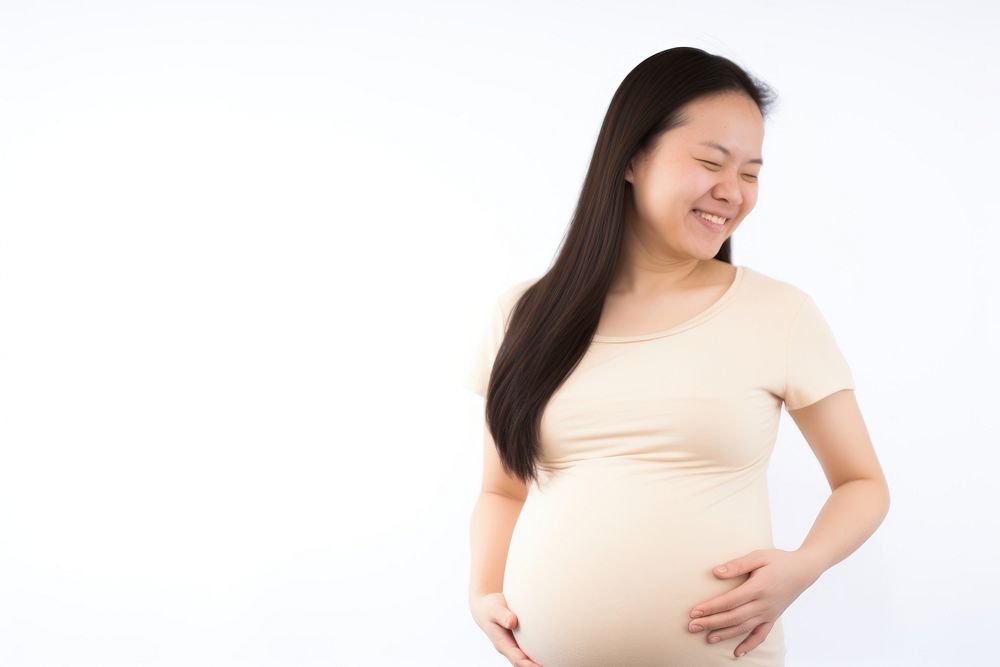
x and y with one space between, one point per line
836 432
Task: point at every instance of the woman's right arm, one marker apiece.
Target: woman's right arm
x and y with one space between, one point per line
493 520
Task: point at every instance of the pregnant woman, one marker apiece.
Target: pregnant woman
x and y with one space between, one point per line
633 396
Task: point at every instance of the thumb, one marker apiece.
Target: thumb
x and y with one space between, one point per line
737 566
728 569
507 619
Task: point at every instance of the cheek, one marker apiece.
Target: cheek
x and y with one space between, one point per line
667 196
658 202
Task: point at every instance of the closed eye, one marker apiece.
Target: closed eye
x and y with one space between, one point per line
720 166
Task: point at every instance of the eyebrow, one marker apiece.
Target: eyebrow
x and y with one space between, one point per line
727 151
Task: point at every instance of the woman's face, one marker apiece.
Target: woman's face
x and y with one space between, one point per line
684 173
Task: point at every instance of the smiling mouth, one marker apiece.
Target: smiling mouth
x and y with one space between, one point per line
709 225
711 218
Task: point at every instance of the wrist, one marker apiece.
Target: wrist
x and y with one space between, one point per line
815 562
475 594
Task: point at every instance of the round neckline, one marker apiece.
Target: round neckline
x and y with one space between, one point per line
682 326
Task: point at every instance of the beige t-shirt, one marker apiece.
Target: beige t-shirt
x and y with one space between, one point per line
653 470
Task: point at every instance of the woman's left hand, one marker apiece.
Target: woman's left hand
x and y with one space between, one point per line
777 578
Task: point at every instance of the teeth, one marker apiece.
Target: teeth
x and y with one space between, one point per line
713 218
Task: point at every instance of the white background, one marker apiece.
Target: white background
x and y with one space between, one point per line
246 248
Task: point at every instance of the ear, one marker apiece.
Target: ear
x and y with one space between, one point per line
629 175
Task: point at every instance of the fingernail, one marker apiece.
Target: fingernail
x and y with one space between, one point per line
741 654
696 613
721 568
713 639
696 628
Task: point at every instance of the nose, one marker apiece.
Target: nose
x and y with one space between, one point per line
729 190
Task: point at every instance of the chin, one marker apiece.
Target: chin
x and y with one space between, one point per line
703 254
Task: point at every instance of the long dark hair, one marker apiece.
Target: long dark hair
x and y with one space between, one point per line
552 323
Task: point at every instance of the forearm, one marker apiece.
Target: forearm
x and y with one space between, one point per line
492 525
848 518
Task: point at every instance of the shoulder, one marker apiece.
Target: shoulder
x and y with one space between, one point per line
764 288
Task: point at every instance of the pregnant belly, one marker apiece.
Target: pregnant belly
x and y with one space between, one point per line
604 573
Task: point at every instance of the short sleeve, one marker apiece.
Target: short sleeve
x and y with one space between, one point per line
478 374
815 366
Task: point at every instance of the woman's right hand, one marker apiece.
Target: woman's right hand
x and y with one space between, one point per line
492 615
